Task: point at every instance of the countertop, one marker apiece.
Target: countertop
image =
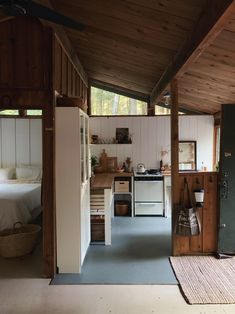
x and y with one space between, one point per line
105 180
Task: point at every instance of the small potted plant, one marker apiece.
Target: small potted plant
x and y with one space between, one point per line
94 162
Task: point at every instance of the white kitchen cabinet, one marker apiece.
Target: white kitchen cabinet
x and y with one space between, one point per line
167 195
72 188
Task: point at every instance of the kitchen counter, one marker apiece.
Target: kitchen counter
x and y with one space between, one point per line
105 180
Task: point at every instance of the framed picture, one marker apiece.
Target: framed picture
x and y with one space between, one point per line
187 155
122 135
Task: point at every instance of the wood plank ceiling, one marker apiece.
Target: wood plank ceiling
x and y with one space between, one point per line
210 80
129 43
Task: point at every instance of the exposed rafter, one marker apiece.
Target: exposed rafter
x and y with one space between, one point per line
211 22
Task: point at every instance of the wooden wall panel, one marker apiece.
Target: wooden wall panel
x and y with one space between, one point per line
67 79
210 217
57 65
196 243
206 242
24 64
64 64
22 41
6 55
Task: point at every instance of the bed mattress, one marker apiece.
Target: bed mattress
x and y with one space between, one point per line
19 202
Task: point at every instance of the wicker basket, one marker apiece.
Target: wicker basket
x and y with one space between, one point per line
18 241
121 208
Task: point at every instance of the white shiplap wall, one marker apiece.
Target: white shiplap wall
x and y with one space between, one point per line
150 135
20 142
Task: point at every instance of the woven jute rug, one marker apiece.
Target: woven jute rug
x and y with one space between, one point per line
205 279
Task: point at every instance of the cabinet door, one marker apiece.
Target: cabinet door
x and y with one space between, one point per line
82 146
86 149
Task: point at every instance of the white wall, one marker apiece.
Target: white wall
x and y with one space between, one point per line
20 142
151 135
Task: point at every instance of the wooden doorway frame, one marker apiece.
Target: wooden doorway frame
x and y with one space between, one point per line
48 222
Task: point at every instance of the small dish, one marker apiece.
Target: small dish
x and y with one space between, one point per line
120 170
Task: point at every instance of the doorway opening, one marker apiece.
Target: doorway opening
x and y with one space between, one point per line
21 193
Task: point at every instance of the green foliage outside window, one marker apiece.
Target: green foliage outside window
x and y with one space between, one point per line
22 113
34 112
9 112
105 103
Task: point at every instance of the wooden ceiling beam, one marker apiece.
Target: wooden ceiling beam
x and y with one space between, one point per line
211 22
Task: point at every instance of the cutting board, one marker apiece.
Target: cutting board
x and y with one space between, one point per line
107 164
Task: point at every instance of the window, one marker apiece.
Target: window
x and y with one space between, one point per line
160 110
33 112
9 112
105 103
21 113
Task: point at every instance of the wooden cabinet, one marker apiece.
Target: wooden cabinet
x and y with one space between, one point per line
101 204
206 242
72 188
123 198
97 228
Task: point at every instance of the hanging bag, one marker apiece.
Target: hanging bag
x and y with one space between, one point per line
187 219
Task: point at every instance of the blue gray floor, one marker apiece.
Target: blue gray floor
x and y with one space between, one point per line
138 255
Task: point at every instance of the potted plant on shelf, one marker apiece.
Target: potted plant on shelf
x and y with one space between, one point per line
94 162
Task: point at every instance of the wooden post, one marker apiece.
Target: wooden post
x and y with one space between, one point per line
174 152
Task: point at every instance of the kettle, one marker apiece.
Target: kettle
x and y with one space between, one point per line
141 168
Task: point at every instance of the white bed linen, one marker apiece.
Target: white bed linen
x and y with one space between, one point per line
17 202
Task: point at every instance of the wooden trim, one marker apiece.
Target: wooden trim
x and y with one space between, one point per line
22 99
216 127
89 98
48 195
182 109
217 118
174 152
211 22
69 101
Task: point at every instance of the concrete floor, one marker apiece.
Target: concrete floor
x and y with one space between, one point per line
27 296
138 255
23 292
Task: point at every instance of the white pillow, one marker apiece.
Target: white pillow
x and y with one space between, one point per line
7 173
28 173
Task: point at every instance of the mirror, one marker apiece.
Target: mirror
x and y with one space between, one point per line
187 155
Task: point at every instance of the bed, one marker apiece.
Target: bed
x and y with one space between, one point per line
19 201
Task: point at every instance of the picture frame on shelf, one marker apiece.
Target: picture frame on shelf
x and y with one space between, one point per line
122 135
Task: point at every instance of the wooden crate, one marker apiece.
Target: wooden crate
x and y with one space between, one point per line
97 229
122 186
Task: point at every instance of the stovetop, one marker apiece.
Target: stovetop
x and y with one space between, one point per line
147 173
